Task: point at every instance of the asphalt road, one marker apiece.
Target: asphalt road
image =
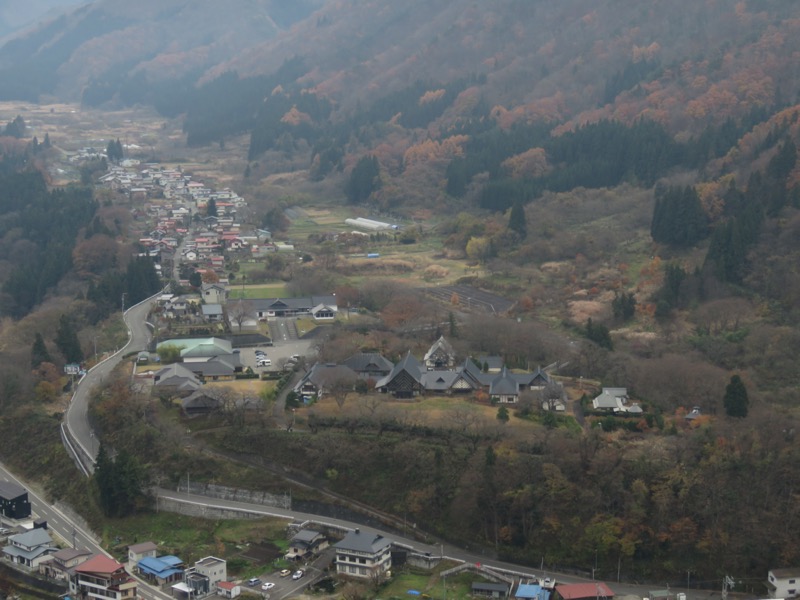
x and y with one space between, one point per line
61 525
76 419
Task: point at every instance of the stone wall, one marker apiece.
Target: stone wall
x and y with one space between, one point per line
222 492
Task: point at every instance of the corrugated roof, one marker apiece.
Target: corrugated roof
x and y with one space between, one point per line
573 591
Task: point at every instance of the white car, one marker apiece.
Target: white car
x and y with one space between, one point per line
298 574
268 585
263 362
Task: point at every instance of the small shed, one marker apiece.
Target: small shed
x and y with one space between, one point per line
228 589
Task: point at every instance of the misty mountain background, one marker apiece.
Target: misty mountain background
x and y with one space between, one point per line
18 14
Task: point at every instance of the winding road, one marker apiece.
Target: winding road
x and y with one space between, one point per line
78 434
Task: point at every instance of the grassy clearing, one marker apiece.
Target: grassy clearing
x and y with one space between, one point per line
190 538
440 411
430 584
270 290
247 387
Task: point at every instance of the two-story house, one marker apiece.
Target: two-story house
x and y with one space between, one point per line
30 548
306 543
102 577
363 555
60 565
784 583
14 502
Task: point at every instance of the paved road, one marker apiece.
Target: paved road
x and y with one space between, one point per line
71 532
445 550
76 419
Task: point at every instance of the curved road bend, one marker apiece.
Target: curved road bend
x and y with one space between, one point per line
77 422
76 418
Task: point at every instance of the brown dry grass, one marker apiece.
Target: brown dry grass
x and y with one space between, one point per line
434 411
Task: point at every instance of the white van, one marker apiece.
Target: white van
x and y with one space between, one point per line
263 362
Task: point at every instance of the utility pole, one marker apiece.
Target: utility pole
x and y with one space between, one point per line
123 301
727 584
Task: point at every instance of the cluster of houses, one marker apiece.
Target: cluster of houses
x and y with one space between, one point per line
437 373
178 207
212 306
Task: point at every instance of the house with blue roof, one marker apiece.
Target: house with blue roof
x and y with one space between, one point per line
530 591
162 569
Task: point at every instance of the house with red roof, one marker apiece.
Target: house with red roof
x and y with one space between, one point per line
595 590
228 589
102 577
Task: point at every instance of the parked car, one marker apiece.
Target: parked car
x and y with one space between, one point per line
298 574
263 362
253 581
285 573
268 585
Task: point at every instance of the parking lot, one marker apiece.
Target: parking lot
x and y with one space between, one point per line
283 348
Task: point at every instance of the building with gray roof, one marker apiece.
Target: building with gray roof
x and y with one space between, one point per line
363 555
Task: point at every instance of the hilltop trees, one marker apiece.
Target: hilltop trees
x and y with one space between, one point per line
678 217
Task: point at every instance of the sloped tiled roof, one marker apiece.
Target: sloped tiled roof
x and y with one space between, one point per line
504 384
359 541
369 362
574 591
142 547
440 344
32 538
409 364
99 563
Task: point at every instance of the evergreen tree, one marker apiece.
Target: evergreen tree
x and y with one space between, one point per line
16 128
364 179
678 217
502 415
623 305
104 480
736 401
599 334
211 208
67 341
47 144
457 177
453 324
39 353
195 279
516 220
119 483
114 150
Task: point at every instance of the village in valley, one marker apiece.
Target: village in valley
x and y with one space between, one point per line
227 349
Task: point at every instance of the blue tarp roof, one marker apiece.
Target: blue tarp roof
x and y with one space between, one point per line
527 590
158 567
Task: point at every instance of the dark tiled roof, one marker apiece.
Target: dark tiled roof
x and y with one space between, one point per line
369 362
359 541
